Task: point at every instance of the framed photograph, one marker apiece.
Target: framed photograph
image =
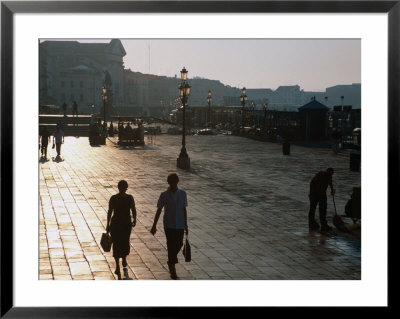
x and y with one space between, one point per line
271 82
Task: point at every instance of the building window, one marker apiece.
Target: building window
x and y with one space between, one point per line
81 84
62 84
72 84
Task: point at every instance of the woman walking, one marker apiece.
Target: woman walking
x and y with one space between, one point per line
120 225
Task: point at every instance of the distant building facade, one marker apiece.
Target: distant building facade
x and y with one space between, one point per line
73 71
351 95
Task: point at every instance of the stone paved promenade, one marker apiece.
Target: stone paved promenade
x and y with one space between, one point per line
247 210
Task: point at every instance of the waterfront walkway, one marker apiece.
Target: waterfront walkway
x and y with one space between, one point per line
247 210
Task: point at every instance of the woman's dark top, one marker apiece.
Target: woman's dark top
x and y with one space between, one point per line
121 224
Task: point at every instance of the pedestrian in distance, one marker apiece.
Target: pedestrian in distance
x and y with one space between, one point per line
174 202
336 138
141 130
317 196
111 130
75 109
45 137
119 224
64 106
58 139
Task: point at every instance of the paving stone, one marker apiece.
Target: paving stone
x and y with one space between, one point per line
103 275
79 268
61 270
62 277
99 266
83 277
92 258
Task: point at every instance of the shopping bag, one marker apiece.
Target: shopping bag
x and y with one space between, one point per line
187 250
106 242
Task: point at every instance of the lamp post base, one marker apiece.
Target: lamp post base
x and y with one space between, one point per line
102 139
183 162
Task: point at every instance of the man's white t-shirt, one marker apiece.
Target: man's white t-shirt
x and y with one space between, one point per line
174 206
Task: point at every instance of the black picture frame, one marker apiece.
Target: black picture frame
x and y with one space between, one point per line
9 8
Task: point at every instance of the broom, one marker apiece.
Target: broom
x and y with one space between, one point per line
337 220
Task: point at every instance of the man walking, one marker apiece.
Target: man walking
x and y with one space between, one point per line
58 139
64 106
45 136
174 202
318 187
75 111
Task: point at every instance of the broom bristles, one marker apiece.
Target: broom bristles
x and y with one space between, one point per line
337 221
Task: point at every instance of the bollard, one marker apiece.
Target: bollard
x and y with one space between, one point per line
355 160
286 147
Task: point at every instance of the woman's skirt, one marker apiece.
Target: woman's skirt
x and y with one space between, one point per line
120 234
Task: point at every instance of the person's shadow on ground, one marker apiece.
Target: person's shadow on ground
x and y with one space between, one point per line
126 275
125 147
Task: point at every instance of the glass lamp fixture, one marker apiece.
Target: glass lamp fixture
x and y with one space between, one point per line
187 89
184 73
181 90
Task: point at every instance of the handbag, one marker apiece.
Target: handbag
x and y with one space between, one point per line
187 250
106 242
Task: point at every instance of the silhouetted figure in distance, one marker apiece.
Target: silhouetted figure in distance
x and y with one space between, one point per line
64 106
45 137
336 138
317 196
111 130
129 131
58 139
75 109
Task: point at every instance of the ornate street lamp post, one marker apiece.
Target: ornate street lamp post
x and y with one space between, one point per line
104 97
209 99
243 99
183 160
252 117
265 115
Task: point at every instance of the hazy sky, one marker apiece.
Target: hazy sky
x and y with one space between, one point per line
314 64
